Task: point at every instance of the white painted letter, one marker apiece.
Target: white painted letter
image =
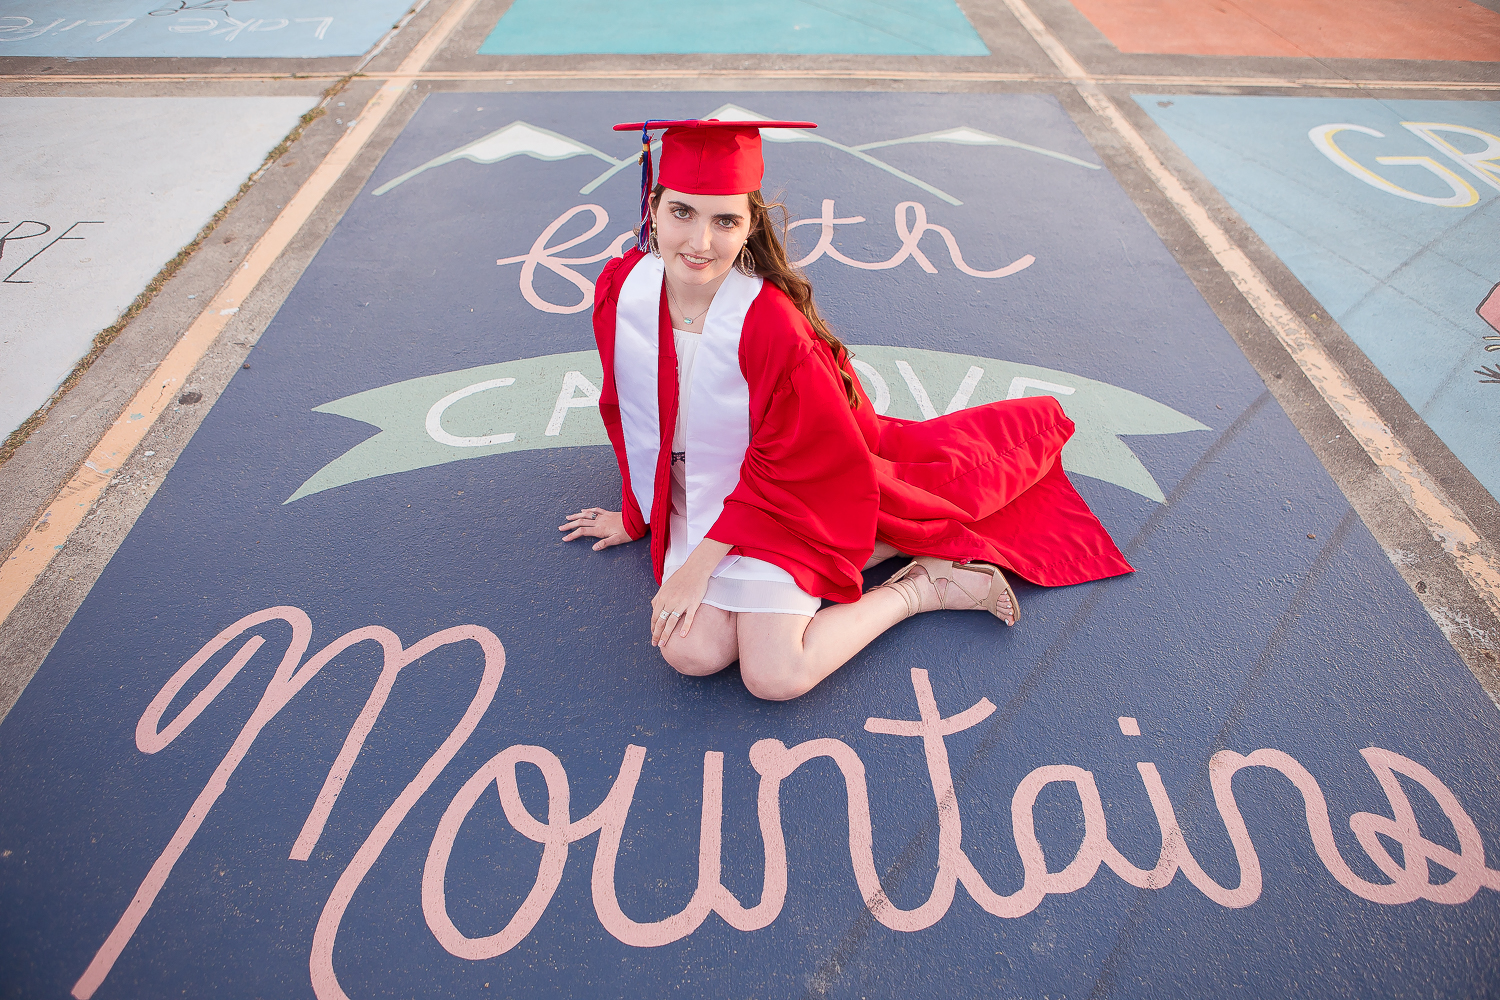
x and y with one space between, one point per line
435 418
882 400
572 382
1463 194
1020 384
1480 164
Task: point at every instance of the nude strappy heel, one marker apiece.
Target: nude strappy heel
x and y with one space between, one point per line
907 588
942 569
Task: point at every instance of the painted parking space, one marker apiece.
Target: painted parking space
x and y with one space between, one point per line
1387 212
1450 30
96 195
219 783
83 29
887 27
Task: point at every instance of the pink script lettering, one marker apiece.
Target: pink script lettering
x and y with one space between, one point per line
542 254
291 676
775 762
1410 878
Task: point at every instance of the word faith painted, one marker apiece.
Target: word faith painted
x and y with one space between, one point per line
544 253
1409 878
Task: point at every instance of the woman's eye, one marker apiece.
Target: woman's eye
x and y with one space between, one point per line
679 213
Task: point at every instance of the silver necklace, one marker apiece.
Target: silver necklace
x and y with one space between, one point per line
686 319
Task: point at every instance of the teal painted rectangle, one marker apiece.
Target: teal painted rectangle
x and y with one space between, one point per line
792 27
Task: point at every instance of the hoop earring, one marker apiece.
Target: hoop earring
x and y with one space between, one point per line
651 243
745 261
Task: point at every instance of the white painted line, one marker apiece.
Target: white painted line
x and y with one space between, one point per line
49 532
1433 507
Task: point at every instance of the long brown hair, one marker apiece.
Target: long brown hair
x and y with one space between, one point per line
768 221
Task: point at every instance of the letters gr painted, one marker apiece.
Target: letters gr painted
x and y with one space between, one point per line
1385 211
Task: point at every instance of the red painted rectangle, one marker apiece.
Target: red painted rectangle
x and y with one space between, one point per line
1455 30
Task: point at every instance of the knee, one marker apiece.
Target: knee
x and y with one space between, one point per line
771 681
692 662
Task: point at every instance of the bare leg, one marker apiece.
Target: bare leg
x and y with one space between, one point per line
785 656
709 647
881 554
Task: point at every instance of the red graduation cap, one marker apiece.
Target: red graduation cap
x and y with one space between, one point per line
703 156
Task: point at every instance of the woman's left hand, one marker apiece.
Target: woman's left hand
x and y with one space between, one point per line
677 602
595 522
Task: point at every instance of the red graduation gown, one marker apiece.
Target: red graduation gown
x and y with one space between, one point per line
821 481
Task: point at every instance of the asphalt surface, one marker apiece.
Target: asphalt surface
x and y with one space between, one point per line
1275 350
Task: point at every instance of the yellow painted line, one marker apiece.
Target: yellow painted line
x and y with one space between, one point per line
688 73
67 510
1432 506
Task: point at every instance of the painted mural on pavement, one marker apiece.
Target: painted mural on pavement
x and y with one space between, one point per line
343 718
418 418
1387 212
867 27
96 195
1457 30
83 29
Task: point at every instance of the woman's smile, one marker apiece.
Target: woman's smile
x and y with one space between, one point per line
699 237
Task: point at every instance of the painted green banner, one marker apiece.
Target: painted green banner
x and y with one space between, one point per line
552 402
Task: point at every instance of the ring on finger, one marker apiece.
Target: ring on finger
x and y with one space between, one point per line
664 615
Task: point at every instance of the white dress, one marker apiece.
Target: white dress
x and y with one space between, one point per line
744 584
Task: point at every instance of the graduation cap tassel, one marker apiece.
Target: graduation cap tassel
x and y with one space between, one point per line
643 239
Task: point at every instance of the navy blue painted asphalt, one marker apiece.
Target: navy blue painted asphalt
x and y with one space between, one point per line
1262 615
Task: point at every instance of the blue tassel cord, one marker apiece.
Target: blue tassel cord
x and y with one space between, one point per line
644 237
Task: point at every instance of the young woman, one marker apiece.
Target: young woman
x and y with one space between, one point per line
768 483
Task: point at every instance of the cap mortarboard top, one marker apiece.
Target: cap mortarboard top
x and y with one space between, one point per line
703 156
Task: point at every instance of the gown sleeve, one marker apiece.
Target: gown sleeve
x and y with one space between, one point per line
807 498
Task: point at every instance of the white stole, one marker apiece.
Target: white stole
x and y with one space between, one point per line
718 396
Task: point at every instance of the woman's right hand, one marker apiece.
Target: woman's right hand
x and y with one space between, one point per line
595 522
